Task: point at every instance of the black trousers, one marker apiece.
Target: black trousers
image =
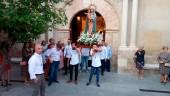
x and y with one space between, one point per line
66 65
103 66
71 71
108 65
89 63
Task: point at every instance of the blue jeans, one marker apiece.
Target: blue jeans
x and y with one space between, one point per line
54 71
84 62
94 70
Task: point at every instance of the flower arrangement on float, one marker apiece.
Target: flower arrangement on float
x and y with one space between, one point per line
89 39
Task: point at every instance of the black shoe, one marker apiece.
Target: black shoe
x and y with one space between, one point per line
88 83
46 79
98 85
49 84
56 81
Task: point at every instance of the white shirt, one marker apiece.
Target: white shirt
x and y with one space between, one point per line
109 52
67 51
85 51
103 53
55 54
75 59
45 57
35 65
96 62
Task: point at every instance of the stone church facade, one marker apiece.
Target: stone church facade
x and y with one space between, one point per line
128 25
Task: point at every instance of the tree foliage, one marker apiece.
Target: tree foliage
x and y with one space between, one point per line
25 20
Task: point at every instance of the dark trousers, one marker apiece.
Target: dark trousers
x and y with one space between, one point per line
169 73
66 65
94 70
103 67
89 63
54 71
71 71
39 86
108 65
47 69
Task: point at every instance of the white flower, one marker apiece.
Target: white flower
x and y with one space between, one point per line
89 39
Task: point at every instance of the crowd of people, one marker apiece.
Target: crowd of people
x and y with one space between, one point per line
43 61
73 58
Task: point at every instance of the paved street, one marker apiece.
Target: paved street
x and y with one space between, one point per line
112 84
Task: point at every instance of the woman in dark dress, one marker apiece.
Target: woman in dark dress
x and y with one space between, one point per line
139 61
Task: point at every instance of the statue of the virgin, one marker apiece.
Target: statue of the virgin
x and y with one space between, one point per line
91 20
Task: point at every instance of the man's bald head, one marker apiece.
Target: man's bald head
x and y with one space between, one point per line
38 48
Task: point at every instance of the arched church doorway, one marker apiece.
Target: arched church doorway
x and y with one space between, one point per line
79 21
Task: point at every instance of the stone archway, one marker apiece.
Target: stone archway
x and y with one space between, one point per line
78 23
110 13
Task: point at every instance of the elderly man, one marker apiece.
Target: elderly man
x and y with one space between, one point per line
36 72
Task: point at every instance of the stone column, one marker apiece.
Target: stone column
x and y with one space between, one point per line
122 51
123 41
134 24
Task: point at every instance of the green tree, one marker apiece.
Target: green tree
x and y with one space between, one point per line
25 20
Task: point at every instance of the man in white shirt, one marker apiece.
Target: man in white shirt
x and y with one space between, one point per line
55 55
108 56
67 56
35 68
96 63
103 55
74 62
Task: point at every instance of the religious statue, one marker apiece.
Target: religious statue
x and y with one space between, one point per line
90 35
91 20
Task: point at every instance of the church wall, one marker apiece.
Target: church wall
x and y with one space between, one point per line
153 24
153 27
